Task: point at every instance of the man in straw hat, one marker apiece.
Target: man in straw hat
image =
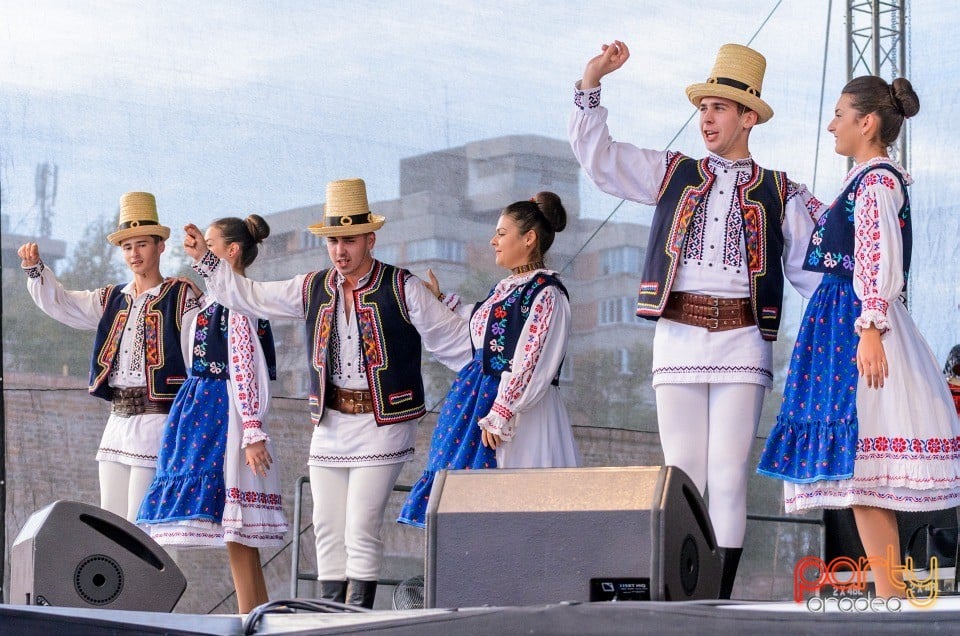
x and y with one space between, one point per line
365 323
138 351
724 233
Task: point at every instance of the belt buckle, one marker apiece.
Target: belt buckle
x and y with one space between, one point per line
715 303
716 323
357 396
359 408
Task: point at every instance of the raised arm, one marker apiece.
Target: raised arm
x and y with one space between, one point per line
619 169
77 309
276 300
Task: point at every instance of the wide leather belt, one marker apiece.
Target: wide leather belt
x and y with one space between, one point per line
134 401
710 312
349 401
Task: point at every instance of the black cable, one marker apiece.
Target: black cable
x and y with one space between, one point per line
290 606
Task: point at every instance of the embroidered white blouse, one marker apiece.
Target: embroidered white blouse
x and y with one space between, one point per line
878 242
528 412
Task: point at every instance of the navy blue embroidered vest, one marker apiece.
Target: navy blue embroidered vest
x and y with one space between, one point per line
162 316
762 201
211 345
832 244
506 320
390 342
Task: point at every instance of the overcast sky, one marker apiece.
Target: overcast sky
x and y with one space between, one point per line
231 107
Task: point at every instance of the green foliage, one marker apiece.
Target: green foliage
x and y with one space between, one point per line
95 261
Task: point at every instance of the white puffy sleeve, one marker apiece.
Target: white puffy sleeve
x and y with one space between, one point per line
275 300
617 168
249 377
77 309
540 350
878 246
444 331
800 215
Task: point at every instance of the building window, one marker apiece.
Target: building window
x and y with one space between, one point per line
614 311
436 249
309 240
621 260
623 361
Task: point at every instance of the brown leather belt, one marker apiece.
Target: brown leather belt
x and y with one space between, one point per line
710 312
349 401
134 401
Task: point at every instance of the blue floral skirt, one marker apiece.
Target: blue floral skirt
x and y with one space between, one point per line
189 483
815 437
456 442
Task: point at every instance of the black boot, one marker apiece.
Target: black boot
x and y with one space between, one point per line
729 560
333 591
361 593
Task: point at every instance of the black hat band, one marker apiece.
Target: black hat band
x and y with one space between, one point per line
348 220
726 81
129 224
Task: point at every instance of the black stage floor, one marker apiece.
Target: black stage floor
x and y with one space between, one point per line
691 617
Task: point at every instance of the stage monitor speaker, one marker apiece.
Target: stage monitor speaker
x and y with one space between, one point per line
72 554
530 536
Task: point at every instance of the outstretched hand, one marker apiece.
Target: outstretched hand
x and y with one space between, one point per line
612 56
29 254
189 281
193 243
433 284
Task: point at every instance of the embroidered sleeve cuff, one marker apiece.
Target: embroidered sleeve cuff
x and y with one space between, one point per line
253 433
586 100
452 301
500 421
207 264
35 271
874 312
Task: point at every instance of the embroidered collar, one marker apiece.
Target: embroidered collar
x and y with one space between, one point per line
340 278
717 162
866 165
130 289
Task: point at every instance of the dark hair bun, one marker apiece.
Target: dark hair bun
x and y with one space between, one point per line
905 97
552 210
257 227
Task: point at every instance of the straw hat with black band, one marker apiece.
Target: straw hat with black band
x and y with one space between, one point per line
346 212
737 75
138 217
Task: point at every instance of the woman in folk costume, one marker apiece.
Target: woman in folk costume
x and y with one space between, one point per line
866 420
504 408
217 482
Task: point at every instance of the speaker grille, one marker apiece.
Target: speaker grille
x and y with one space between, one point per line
98 579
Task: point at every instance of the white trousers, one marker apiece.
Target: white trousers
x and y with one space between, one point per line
707 430
348 508
122 488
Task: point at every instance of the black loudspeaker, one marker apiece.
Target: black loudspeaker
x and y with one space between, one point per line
72 554
530 536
